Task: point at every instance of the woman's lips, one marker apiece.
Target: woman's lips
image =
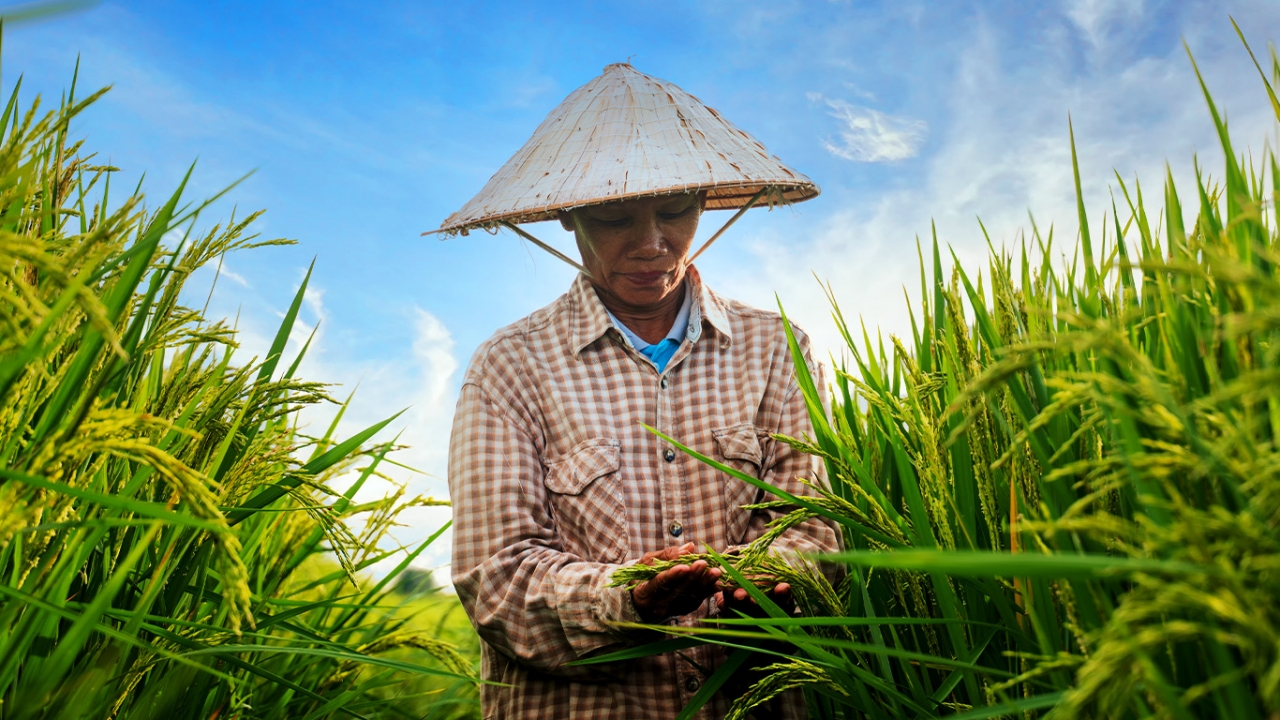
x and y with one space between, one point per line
645 278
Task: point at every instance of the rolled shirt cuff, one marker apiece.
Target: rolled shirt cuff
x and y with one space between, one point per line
589 609
615 604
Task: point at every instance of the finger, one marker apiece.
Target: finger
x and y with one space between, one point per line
695 569
662 588
673 574
691 578
705 574
674 552
709 581
694 585
680 577
649 557
782 590
660 584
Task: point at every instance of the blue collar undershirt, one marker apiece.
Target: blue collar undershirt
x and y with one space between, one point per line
660 352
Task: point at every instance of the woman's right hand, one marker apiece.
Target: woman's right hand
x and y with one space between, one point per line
675 591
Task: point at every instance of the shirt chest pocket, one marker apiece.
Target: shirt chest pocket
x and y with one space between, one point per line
586 501
739 447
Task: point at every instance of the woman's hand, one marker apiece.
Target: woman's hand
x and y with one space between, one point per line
676 591
733 598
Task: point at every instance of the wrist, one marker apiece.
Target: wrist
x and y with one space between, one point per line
642 609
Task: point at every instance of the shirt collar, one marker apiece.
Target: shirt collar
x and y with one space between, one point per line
591 320
709 307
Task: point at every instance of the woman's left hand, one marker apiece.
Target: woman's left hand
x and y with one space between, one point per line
733 598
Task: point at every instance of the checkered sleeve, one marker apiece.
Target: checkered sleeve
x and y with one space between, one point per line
527 597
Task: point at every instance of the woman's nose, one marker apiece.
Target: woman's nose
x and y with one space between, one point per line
650 241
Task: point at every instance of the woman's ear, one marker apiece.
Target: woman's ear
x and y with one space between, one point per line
566 221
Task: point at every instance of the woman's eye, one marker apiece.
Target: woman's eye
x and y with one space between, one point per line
675 215
609 222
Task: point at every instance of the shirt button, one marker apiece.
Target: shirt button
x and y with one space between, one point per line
676 528
669 455
691 684
664 383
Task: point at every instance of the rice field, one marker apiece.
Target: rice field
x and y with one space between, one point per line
1058 495
172 544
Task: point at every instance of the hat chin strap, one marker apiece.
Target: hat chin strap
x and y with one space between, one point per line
731 221
554 252
577 266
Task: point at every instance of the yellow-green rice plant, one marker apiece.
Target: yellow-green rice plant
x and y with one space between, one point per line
1060 496
171 544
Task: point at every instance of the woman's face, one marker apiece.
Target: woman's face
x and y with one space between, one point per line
636 250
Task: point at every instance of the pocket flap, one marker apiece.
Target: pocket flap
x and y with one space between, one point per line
584 464
739 442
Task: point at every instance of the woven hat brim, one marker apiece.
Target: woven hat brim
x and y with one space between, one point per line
629 135
720 196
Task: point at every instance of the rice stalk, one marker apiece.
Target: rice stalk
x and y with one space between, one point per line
172 544
1058 495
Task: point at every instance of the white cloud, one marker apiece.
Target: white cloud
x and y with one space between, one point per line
417 378
853 88
419 382
433 351
308 323
1097 19
1003 152
871 136
233 276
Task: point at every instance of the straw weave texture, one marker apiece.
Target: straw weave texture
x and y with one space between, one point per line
624 135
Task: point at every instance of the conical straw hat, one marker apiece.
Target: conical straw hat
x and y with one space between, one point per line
624 135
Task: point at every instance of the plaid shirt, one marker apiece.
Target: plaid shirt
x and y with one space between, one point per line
555 484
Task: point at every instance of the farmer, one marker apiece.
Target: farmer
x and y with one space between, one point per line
555 481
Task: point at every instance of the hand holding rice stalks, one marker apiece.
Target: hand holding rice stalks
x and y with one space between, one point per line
758 562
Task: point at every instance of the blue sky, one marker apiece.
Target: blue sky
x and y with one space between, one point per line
368 123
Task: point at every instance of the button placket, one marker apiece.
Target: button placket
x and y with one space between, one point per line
673 500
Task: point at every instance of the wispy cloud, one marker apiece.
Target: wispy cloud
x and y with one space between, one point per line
1096 19
869 135
235 277
417 380
433 351
1002 152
